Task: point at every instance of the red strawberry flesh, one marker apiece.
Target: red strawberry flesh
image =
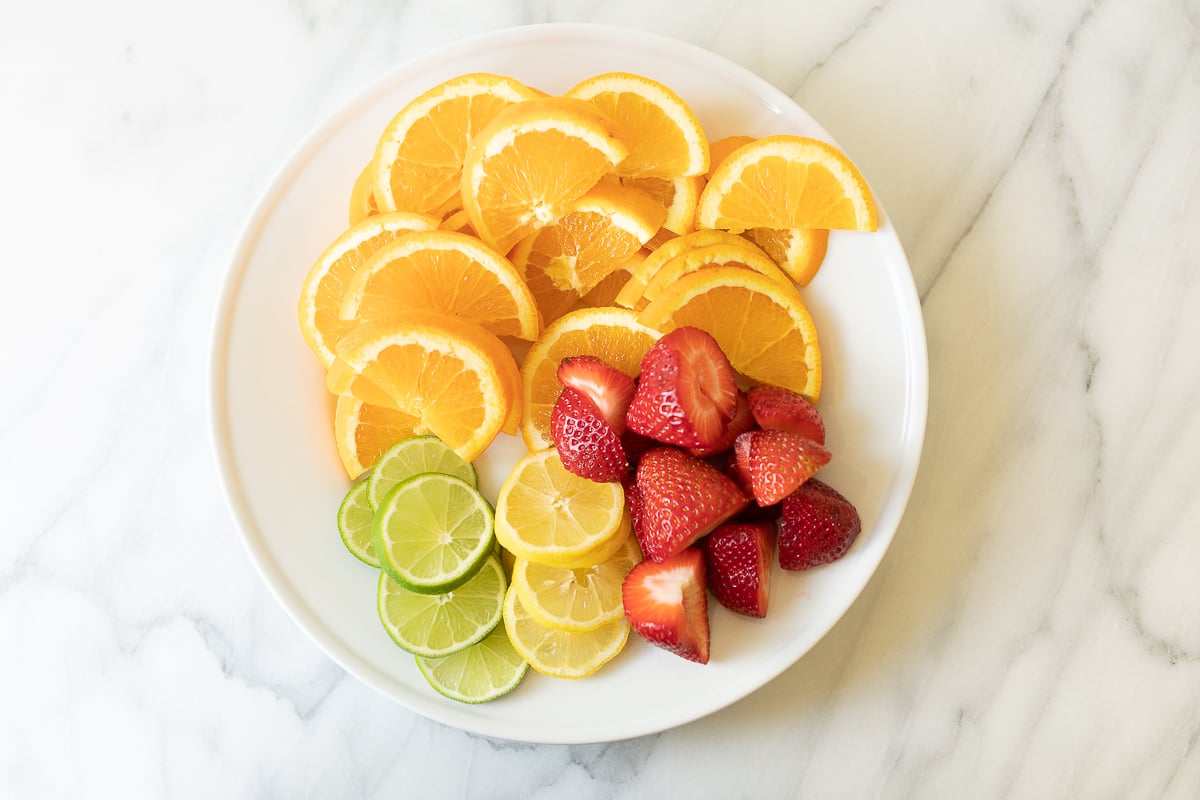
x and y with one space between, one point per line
742 422
779 462
687 391
610 389
778 409
586 444
817 527
666 603
738 558
682 498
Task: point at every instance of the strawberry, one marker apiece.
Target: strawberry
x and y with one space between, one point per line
635 444
586 444
633 500
779 462
682 498
610 389
738 558
667 604
777 409
818 526
687 391
742 421
738 466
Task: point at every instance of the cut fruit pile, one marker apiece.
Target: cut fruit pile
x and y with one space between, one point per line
666 394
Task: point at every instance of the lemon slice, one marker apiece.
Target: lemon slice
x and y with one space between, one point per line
551 516
580 599
437 625
559 653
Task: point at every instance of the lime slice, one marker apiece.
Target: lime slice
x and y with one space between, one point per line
414 456
478 673
432 532
436 625
354 524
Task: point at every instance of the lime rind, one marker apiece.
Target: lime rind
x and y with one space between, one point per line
438 625
479 673
354 521
433 532
414 456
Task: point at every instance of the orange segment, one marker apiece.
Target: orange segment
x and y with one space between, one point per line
321 294
787 182
362 199
363 432
442 271
612 334
458 380
679 196
720 149
525 169
418 161
631 294
605 292
798 251
458 223
713 255
664 137
764 330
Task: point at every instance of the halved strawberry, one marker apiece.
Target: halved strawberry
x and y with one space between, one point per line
818 526
778 409
667 604
586 444
742 421
610 389
633 500
687 391
779 462
682 498
738 557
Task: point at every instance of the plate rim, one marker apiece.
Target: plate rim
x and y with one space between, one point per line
294 604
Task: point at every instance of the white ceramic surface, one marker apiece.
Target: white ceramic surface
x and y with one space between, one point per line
271 414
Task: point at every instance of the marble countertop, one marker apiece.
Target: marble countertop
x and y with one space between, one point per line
1031 633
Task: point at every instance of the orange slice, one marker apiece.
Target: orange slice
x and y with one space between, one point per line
787 182
764 330
714 255
458 380
531 163
418 161
719 150
679 196
321 294
664 137
442 271
362 199
798 251
605 292
363 432
458 223
631 293
613 335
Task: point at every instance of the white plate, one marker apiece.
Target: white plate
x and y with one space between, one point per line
271 415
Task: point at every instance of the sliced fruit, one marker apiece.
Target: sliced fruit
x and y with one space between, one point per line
766 332
631 293
489 669
531 163
611 334
546 514
442 271
437 625
664 137
457 379
578 600
779 462
682 498
610 389
586 443
777 409
798 251
414 456
433 532
605 292
326 282
457 222
714 255
742 422
362 199
679 196
667 604
787 182
354 519
738 466
419 158
687 392
363 432
719 150
738 557
817 527
559 653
